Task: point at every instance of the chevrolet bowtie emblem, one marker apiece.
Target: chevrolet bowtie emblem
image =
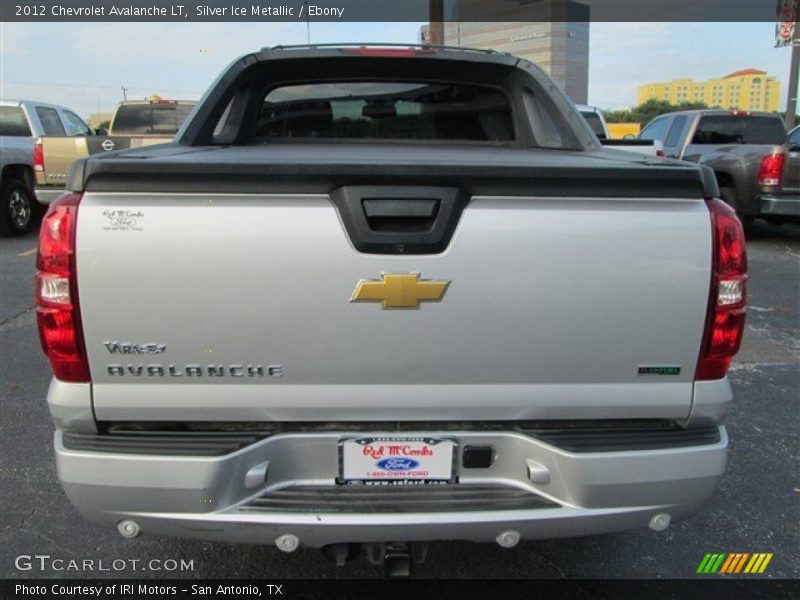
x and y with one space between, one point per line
399 290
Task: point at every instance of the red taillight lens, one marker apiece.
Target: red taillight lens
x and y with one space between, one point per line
38 156
726 308
771 169
367 51
57 312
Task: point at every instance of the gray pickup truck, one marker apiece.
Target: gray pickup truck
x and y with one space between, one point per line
758 170
380 296
21 123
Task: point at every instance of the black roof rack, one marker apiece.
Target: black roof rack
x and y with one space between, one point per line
376 45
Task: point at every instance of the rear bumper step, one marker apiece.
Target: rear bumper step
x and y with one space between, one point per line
621 439
597 437
171 443
398 499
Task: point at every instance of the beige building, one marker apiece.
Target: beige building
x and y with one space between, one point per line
747 89
560 48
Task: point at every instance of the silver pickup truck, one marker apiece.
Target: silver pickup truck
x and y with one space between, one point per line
380 296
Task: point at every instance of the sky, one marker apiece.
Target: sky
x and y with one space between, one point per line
84 65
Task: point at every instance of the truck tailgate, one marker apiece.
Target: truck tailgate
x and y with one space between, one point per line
230 306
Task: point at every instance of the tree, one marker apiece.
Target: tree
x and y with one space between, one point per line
647 111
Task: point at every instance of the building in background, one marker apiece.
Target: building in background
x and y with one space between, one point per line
747 89
560 48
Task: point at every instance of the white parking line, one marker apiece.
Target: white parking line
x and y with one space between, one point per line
27 252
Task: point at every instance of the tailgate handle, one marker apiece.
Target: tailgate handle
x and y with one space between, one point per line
399 219
421 208
400 215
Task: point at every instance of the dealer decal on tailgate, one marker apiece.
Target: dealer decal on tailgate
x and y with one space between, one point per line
398 460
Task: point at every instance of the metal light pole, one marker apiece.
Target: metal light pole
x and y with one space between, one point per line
791 97
436 22
308 24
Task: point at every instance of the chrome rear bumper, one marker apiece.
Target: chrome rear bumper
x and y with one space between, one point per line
223 497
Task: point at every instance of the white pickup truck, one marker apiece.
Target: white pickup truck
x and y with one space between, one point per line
597 121
380 296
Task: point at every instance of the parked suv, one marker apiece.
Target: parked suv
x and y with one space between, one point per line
757 172
22 122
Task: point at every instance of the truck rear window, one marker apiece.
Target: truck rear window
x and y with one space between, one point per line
13 122
735 129
593 119
153 118
385 110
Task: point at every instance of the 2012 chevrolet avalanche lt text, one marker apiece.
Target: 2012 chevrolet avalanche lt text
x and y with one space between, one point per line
379 295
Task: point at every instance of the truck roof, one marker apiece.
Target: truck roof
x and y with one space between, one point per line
387 50
34 102
160 101
721 111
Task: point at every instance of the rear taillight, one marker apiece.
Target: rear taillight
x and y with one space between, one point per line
57 311
661 153
771 169
38 156
726 308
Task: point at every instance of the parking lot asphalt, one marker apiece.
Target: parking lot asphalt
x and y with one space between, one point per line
756 509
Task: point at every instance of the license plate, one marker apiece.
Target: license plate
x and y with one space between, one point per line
398 460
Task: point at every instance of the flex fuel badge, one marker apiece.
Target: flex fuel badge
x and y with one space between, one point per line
659 370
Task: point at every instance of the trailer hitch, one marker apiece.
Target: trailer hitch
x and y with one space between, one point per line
397 558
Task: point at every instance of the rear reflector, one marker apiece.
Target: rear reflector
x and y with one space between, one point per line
726 307
367 51
771 169
57 311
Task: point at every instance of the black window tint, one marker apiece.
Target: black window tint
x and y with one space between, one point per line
794 139
385 110
152 118
51 124
13 122
655 130
739 129
675 131
593 119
